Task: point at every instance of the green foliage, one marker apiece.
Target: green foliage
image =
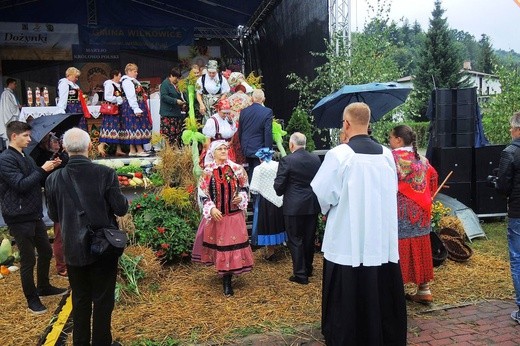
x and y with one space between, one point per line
502 106
486 58
299 122
368 58
168 229
168 341
381 130
131 274
440 60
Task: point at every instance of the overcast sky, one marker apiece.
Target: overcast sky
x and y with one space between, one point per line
499 19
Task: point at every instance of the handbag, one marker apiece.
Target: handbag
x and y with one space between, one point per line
108 108
102 240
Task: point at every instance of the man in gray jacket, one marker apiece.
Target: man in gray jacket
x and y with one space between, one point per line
92 277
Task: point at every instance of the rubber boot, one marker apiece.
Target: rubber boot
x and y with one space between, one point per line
228 290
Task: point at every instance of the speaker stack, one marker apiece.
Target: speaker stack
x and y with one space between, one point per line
453 138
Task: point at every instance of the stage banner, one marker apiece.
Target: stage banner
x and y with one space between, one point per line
136 38
37 41
95 53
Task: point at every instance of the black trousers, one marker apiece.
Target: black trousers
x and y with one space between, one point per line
301 230
93 288
30 236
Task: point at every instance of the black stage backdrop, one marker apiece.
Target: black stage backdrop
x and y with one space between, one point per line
283 45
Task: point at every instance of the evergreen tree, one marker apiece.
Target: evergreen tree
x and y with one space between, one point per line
299 122
486 57
439 65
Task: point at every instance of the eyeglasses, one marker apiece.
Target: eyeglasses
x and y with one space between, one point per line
345 121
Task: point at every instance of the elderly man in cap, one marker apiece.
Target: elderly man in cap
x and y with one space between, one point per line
211 87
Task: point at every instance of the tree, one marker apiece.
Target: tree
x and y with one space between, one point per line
499 110
439 65
486 57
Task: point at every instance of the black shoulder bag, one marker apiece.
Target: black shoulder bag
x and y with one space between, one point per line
102 240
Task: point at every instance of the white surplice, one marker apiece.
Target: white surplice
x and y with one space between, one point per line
359 193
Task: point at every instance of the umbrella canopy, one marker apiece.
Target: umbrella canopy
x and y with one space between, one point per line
58 123
380 97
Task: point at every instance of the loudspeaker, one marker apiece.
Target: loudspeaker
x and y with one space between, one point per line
460 191
487 159
455 114
458 160
488 200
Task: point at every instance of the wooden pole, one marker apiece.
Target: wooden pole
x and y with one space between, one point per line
440 186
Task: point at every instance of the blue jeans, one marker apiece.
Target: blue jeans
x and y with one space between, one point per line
513 240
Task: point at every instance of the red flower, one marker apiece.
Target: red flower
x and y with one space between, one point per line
323 218
145 195
190 189
156 198
165 246
161 229
138 206
159 253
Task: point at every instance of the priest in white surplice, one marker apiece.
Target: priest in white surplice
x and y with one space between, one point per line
9 106
363 299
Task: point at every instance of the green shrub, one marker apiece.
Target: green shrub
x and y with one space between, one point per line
299 122
167 228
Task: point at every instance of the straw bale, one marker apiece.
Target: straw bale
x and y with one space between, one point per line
454 223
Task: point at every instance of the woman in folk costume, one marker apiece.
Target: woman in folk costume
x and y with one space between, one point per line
137 121
238 101
221 126
111 128
417 184
70 96
223 189
268 221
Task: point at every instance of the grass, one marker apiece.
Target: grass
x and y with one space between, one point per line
496 243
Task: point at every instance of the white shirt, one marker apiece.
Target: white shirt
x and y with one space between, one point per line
359 193
212 85
8 109
63 93
108 87
226 129
129 89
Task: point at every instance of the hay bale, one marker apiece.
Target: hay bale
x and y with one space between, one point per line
454 223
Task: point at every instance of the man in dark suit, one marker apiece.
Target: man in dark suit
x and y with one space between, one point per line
300 205
255 130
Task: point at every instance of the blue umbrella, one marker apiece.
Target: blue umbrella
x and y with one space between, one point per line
380 97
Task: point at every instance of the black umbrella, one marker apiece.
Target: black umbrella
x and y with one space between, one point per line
380 97
41 127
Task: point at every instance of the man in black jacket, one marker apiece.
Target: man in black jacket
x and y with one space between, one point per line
92 277
509 184
255 130
300 205
22 209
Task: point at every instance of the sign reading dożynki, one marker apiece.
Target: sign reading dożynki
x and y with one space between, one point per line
136 38
33 41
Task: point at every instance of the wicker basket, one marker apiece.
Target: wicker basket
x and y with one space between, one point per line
455 246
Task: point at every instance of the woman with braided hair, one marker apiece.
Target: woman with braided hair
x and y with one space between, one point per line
417 183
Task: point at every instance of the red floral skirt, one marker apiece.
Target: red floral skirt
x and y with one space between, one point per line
226 245
415 257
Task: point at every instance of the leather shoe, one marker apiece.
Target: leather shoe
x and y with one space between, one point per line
425 299
301 281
